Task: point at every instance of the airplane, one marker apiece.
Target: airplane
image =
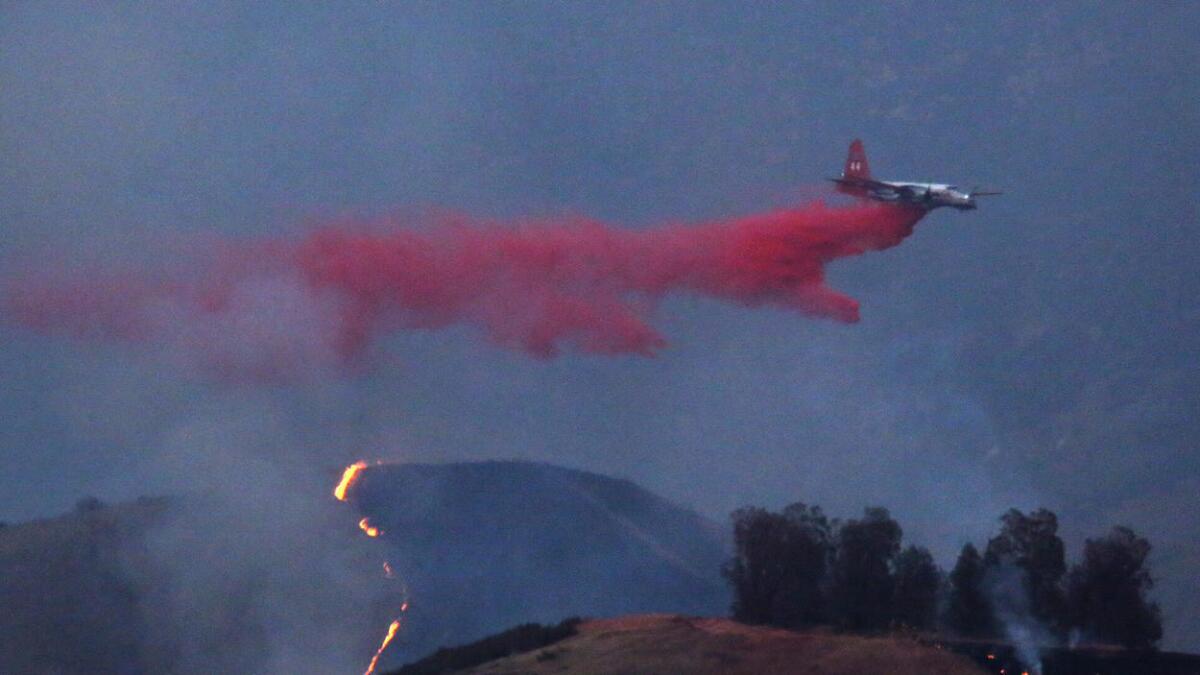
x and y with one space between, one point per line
856 180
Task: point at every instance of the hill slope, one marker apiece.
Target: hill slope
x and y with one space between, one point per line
484 546
663 644
69 604
193 585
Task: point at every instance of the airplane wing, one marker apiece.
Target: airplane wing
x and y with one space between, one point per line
866 183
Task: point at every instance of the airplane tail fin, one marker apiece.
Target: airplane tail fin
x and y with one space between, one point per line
856 162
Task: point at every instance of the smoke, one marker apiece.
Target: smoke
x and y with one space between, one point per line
1008 592
271 307
305 306
258 570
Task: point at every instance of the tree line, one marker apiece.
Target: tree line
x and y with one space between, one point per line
798 568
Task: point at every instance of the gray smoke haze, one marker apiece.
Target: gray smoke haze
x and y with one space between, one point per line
1038 352
264 571
1008 592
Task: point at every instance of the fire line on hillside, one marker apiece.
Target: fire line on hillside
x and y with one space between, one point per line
341 492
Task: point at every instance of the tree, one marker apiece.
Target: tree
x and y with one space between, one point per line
968 612
804 600
863 585
918 580
1107 591
779 566
758 569
1031 544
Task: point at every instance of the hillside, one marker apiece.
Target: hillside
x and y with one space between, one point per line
69 598
484 546
193 585
663 644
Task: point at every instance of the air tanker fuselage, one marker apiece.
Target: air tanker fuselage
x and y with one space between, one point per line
856 180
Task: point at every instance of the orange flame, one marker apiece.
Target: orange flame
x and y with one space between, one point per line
391 633
348 477
367 527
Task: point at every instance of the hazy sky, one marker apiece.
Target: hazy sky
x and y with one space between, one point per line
1039 351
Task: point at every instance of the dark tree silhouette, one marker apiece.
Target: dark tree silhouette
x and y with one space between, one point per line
759 568
1107 591
968 612
798 568
1031 544
779 566
918 581
804 599
863 584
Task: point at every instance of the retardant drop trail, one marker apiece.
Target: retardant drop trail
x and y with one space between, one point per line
262 307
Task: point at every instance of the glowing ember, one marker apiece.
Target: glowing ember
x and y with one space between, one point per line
391 633
387 572
371 530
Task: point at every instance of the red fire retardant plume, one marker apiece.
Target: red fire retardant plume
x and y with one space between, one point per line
536 286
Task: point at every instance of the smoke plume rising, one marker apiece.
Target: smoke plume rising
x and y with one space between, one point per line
264 307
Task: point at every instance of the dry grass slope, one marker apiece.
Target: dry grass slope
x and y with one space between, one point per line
662 644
